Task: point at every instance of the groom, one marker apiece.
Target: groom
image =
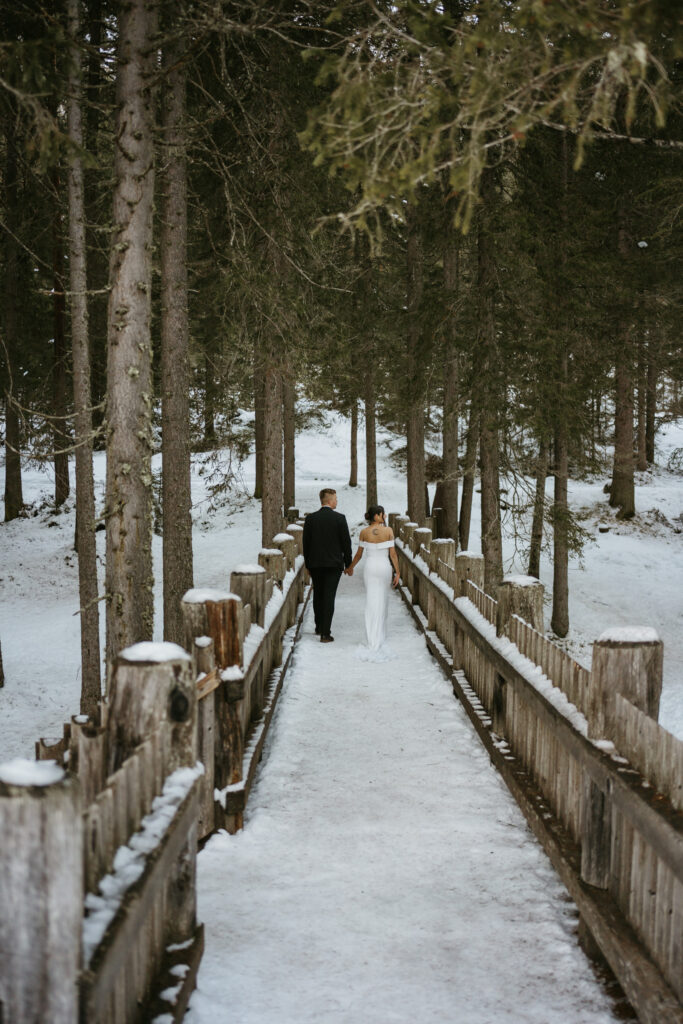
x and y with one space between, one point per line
327 551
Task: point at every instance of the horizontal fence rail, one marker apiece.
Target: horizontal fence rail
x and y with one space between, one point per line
599 780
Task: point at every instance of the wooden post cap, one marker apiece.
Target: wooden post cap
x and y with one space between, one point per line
627 660
422 535
468 565
287 544
248 581
297 533
522 596
151 683
407 529
216 614
274 562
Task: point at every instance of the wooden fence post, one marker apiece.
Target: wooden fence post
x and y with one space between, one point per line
249 583
273 561
627 661
292 514
422 535
205 662
522 596
468 565
41 893
286 543
151 683
297 532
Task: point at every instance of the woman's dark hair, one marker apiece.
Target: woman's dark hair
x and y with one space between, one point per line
374 510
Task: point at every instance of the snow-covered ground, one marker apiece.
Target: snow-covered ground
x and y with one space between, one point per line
630 576
384 874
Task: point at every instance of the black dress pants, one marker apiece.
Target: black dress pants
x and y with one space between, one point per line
325 582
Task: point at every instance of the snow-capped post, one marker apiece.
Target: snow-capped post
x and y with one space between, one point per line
41 892
286 543
407 530
468 565
626 660
150 683
422 535
205 662
297 532
249 583
218 615
273 561
522 596
292 514
442 549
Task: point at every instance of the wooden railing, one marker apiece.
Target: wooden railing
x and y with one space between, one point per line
99 839
599 780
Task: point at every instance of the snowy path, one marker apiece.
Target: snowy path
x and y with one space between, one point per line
384 873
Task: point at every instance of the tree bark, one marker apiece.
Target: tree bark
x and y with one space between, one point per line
259 424
59 385
415 424
130 602
651 409
449 491
175 350
370 439
209 403
491 533
622 493
80 355
468 477
642 408
14 499
539 509
560 613
353 475
271 505
289 413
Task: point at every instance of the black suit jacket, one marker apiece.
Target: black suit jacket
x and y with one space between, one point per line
327 542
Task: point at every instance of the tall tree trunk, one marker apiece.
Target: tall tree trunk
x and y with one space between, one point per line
560 614
259 421
651 409
2 670
449 490
176 494
539 509
130 599
271 505
59 384
80 355
353 475
415 426
209 403
469 468
14 498
289 414
642 408
491 533
370 439
622 493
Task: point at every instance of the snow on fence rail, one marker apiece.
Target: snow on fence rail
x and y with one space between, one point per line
99 837
600 782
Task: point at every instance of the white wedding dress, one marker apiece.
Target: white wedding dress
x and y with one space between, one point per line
377 576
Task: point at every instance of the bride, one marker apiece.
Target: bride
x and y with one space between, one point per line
376 539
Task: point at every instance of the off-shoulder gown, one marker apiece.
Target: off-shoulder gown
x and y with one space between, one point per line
377 576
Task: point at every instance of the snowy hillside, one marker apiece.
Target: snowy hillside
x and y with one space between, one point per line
630 575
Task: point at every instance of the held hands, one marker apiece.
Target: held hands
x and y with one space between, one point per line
348 571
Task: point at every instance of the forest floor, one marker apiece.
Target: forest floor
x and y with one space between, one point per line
384 873
630 575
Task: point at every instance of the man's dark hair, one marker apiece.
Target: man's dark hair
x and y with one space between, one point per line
325 491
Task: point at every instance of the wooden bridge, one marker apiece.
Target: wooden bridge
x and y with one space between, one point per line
98 860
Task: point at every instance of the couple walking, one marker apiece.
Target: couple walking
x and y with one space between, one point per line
327 553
